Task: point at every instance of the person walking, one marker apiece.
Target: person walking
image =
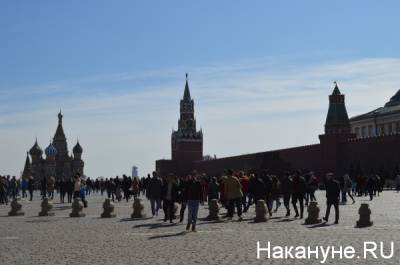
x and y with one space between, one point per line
135 188
182 196
82 193
169 195
332 187
299 191
233 194
50 187
77 186
63 189
244 181
213 189
24 187
127 187
312 186
250 191
268 190
348 184
275 193
371 184
258 189
70 189
287 189
43 185
194 197
3 191
153 193
31 187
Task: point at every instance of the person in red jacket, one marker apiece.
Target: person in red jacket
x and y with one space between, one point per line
244 180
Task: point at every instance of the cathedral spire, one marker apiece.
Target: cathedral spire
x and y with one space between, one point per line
60 131
60 116
186 94
59 139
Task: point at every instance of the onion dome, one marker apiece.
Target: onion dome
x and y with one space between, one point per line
36 150
50 151
77 148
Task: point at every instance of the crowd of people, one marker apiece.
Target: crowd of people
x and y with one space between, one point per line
235 191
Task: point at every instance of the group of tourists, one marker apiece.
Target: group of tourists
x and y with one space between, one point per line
238 191
11 188
235 191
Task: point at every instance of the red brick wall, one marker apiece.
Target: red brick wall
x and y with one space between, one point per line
187 151
372 153
305 157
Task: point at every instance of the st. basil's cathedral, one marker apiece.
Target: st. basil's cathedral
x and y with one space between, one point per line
58 162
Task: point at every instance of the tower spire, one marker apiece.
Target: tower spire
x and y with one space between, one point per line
336 90
186 94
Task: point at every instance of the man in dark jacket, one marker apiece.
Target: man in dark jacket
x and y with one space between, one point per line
287 188
299 192
182 197
332 187
43 185
259 190
268 186
169 196
194 197
30 187
153 193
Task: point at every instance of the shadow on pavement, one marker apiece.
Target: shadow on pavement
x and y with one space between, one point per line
285 220
168 235
41 221
155 225
207 222
134 219
320 225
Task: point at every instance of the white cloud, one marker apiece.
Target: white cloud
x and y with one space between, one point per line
125 119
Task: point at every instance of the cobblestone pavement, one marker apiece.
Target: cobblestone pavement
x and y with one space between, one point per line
60 239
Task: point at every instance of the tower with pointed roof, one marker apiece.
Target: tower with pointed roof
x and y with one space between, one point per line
337 120
337 129
186 141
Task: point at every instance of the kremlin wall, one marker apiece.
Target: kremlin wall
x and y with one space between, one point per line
339 151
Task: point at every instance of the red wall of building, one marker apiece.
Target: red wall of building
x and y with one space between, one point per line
304 157
371 153
375 154
187 150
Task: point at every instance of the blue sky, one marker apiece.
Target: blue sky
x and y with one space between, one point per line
260 73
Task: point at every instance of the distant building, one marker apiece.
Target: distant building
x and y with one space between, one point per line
135 172
381 121
58 162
